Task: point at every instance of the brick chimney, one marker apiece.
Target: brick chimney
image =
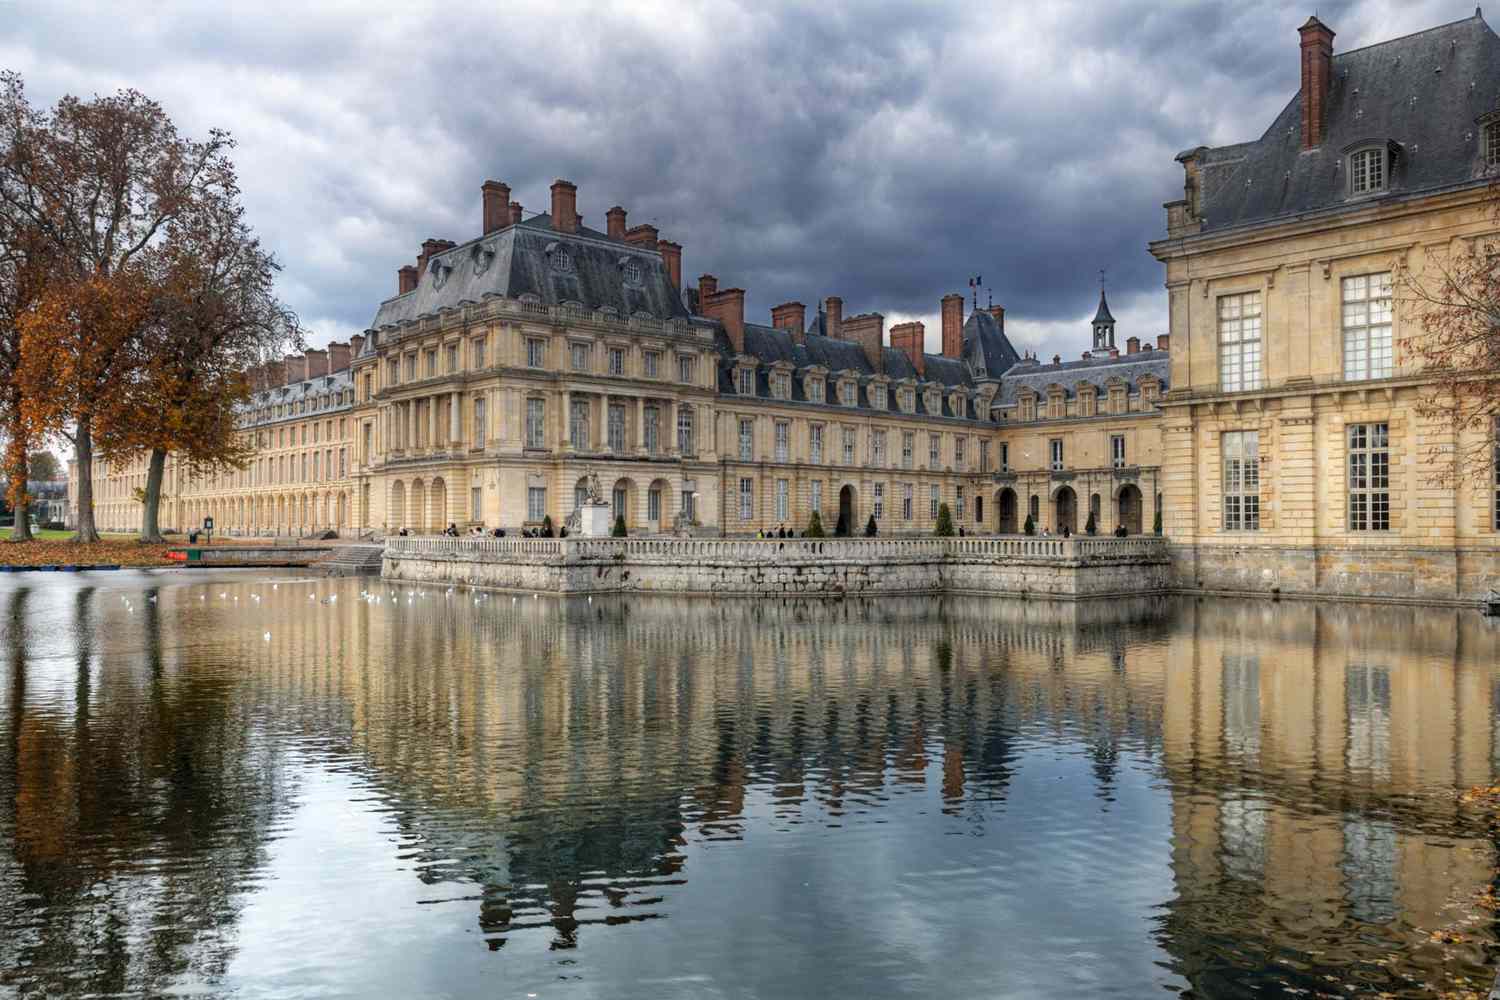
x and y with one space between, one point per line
911 339
515 212
317 363
1164 342
564 206
339 356
790 316
707 286
275 373
999 313
642 235
868 330
294 368
406 279
1132 345
834 307
1317 76
953 325
614 223
431 247
671 256
355 343
495 197
728 307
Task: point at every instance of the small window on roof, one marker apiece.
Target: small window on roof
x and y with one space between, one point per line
632 271
1367 170
1491 139
561 259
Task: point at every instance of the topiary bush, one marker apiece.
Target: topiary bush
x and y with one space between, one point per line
1156 525
547 531
870 528
814 526
944 527
1092 526
1030 528
619 529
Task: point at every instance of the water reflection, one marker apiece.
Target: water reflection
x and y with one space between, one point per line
202 777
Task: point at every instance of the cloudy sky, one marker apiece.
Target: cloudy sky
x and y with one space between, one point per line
881 152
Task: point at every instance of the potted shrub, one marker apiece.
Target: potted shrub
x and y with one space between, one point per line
944 527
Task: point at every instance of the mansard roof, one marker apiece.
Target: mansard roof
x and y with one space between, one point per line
1422 92
985 346
518 261
1096 371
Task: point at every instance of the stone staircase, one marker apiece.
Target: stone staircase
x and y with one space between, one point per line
357 559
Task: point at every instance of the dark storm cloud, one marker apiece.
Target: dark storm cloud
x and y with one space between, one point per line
878 152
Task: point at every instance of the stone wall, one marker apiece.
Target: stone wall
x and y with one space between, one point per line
1062 568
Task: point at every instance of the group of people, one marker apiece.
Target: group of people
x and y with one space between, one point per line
782 531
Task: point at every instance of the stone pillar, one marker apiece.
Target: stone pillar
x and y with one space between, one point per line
640 431
432 424
455 420
409 439
566 424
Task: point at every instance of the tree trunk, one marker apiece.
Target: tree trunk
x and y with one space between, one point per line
16 471
150 516
83 451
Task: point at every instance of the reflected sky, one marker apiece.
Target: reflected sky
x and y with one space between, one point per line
255 785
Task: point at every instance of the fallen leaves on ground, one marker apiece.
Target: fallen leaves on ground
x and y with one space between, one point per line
123 551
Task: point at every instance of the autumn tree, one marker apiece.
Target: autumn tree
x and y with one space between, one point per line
96 184
1455 342
43 466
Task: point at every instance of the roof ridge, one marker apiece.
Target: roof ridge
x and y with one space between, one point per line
1476 16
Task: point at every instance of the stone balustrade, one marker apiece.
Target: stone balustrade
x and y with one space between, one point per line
1015 565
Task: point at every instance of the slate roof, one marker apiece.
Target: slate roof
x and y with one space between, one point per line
1103 315
1130 367
517 261
986 348
1423 91
293 392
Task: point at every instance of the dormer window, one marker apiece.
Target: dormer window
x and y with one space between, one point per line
1367 170
745 381
781 385
815 389
632 272
561 259
1491 139
848 392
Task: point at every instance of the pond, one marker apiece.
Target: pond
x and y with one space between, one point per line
277 785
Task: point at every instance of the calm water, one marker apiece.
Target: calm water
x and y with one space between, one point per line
236 785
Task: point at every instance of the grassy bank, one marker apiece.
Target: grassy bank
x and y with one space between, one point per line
52 548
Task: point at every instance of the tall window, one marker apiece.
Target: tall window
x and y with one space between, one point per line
848 445
814 388
1056 447
617 361
685 430
478 352
476 503
934 498
960 504
1367 326
688 502
906 501
958 453
880 501
747 440
652 363
1492 144
578 424
783 499
877 449
616 423
653 504
432 362
580 354
479 425
934 450
411 368
848 393
536 353
1367 171
452 357
783 440
815 441
815 495
747 499
392 372
1117 450
536 423
536 503
984 456
1239 342
781 385
745 381
687 368
908 446
653 429
1369 477
1004 456
1034 508
1241 455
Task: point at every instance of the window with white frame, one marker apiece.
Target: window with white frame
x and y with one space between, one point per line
1367 171
815 495
536 503
1491 140
431 365
984 456
815 444
879 510
688 502
411 367
934 499
745 381
877 449
747 499
477 352
536 423
479 424
580 354
878 396
781 385
1004 456
1239 342
958 453
848 392
747 439
687 369
908 447
651 361
578 424
906 501
815 390
1055 446
1117 450
848 445
1367 326
1240 453
536 353
1369 477
616 427
960 505
653 429
685 431
452 357
632 272
783 440
783 499
653 504
617 361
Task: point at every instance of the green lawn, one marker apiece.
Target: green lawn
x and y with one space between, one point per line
59 535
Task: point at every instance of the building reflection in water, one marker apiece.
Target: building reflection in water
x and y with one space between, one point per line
567 759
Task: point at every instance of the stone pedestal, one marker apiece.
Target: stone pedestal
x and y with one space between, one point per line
594 520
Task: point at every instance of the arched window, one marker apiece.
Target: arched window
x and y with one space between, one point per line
1367 170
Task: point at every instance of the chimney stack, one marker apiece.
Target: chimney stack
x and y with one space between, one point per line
911 340
294 368
495 197
953 325
564 206
1317 77
614 223
431 247
406 279
1164 342
642 235
317 363
834 307
708 285
355 343
790 316
868 330
728 307
1132 345
339 356
515 212
671 256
